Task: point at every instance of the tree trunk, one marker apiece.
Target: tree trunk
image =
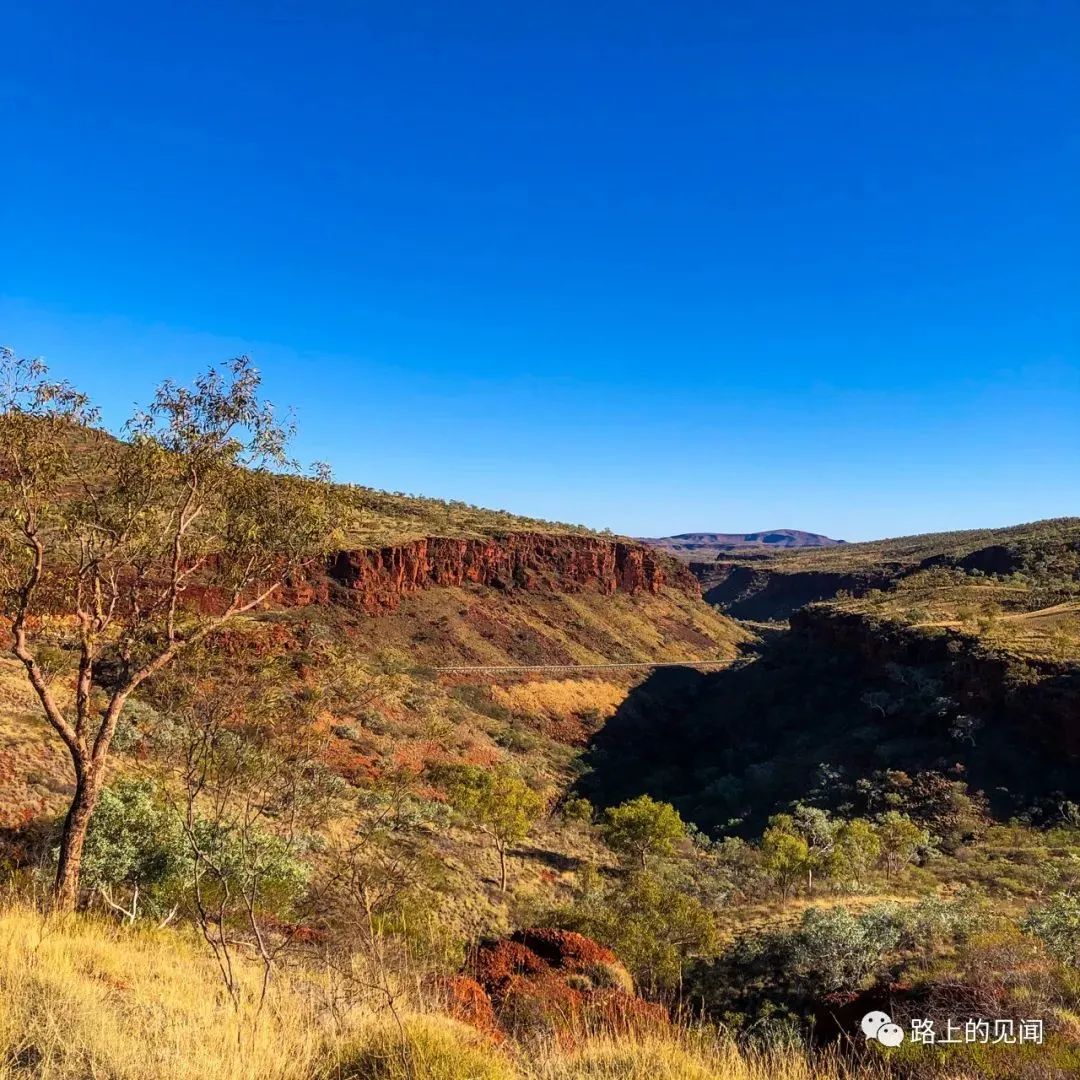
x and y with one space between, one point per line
66 886
502 868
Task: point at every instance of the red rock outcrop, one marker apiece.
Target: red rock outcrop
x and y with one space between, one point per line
375 579
469 1002
553 982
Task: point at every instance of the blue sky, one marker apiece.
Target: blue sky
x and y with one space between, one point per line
658 267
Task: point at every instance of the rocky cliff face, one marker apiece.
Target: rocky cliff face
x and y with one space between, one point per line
375 579
1036 702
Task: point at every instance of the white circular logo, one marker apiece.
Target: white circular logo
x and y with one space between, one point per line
890 1035
872 1022
879 1025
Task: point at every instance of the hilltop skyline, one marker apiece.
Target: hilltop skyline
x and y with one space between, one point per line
658 271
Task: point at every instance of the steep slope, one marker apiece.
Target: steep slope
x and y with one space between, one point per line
421 586
402 612
963 661
524 599
771 585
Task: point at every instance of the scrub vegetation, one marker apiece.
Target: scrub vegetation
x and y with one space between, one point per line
331 843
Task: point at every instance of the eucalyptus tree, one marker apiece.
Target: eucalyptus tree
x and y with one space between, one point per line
117 555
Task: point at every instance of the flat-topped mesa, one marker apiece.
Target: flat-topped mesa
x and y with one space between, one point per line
375 579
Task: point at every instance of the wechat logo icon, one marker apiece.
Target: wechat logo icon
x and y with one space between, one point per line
879 1026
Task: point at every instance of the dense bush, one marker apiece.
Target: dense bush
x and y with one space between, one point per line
136 854
643 830
1057 923
654 926
830 950
141 859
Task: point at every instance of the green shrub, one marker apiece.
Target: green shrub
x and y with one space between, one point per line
135 852
495 802
653 926
248 862
578 809
1057 923
835 950
141 724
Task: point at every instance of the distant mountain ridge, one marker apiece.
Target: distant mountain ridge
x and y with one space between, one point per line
698 544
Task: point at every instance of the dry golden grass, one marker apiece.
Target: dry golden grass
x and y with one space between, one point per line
685 1057
375 518
1053 533
1014 616
35 771
473 625
83 998
561 699
434 1048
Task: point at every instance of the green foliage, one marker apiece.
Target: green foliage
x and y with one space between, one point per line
808 842
141 725
516 738
651 924
643 829
829 950
135 846
141 860
802 842
496 802
855 853
496 799
836 950
934 923
901 841
101 537
1057 923
952 814
248 862
819 831
784 857
382 879
579 810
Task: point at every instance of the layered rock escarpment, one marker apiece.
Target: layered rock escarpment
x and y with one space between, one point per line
375 579
1035 699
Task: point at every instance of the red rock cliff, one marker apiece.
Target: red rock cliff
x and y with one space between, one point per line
375 579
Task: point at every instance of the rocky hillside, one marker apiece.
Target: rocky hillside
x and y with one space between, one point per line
955 654
401 612
771 585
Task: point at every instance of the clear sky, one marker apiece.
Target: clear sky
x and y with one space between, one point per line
662 266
